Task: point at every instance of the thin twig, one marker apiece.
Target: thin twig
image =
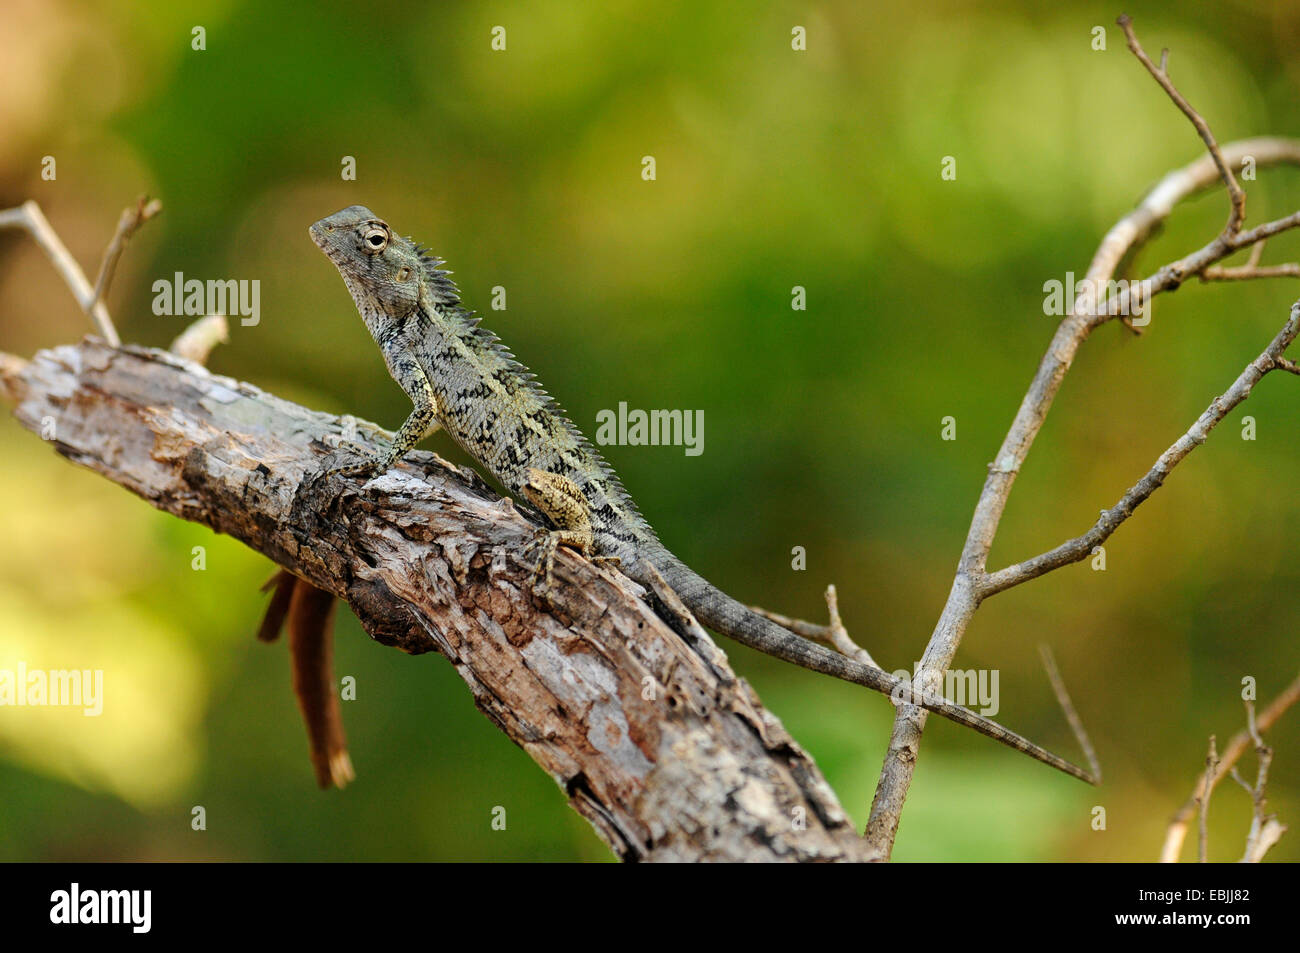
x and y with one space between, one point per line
1264 829
1232 752
1232 773
963 598
834 636
1238 197
1252 268
197 341
1252 261
1067 706
1250 271
1211 763
131 219
29 217
1081 547
1170 277
641 737
1269 836
1260 232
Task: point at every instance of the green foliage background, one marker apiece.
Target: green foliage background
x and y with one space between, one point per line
775 169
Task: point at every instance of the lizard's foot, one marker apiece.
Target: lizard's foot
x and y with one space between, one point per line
369 465
545 543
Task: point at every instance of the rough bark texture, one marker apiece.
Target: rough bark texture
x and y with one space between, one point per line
669 757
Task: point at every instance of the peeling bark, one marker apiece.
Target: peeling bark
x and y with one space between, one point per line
668 757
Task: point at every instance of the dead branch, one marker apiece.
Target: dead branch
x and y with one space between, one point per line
968 586
132 217
1071 714
1252 269
1203 800
1235 193
1080 547
833 636
32 220
1237 745
668 757
198 340
1265 829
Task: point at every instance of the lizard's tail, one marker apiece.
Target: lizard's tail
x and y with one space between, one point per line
720 612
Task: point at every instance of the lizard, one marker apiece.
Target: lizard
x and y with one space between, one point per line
462 379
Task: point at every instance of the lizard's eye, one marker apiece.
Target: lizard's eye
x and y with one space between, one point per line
375 238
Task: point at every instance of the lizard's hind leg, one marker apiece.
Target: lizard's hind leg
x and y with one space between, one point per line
562 502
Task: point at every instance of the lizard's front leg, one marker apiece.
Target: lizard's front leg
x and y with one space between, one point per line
564 505
422 421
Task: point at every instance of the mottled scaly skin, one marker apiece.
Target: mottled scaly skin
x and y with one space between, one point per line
460 377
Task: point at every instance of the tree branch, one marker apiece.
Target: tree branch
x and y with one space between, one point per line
32 220
1081 547
1235 194
1203 802
965 593
1071 714
833 636
1237 745
132 217
1252 269
668 757
1265 830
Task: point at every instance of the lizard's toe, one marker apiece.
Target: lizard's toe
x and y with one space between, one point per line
367 466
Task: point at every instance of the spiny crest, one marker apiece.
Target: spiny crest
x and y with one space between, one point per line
445 292
447 296
528 380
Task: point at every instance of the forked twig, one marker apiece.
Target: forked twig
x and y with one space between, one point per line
1251 269
128 223
834 635
971 584
31 219
1232 752
1235 193
1081 547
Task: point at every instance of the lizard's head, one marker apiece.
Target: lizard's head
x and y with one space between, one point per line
382 269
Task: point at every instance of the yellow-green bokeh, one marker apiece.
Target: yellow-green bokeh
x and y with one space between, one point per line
775 169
